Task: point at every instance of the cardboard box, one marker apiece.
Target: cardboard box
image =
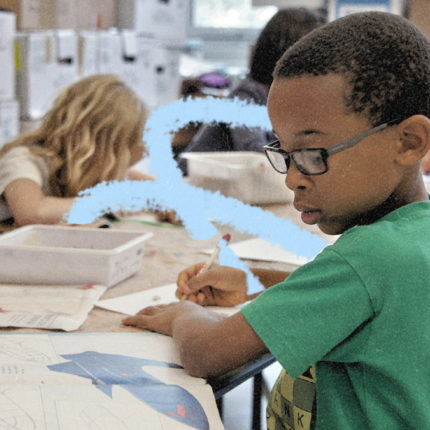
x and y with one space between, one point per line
7 55
9 121
96 14
165 20
110 52
46 254
43 14
130 62
88 53
244 175
167 77
46 63
159 73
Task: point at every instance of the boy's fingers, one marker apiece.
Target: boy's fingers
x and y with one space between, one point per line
136 320
187 274
150 310
203 280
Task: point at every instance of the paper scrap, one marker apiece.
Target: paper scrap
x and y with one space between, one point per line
130 304
260 249
47 307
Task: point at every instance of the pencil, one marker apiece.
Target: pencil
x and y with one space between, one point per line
211 259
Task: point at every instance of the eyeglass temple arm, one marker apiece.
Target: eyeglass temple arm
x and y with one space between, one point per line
356 139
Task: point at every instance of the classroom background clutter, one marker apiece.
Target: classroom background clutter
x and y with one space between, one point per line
162 49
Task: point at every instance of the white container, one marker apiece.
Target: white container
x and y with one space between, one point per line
244 175
45 254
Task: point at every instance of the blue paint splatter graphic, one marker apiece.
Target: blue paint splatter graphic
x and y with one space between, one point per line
193 205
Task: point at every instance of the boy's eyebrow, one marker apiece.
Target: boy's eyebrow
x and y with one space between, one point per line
308 132
305 132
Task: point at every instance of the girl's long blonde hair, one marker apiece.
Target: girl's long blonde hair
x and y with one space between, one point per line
87 135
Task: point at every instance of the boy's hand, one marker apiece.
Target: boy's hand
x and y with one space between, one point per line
159 318
219 286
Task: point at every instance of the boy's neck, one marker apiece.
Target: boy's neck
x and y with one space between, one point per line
410 192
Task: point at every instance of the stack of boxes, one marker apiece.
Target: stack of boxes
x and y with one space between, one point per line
9 107
60 41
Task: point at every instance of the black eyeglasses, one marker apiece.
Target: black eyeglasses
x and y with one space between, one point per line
313 161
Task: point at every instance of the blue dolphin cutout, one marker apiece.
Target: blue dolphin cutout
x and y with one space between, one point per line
106 370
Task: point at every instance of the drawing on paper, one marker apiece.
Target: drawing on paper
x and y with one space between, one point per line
12 415
107 370
17 350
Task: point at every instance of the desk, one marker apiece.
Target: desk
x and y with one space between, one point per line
168 252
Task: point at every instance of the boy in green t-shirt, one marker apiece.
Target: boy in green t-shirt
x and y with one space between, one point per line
350 104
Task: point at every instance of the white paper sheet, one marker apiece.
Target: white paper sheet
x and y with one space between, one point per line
260 249
109 381
47 307
130 304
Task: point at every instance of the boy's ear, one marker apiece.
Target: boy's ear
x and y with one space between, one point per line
414 139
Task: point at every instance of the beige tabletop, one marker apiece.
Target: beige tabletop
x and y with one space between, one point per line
170 250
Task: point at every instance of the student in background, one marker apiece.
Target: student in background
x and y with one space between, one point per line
350 104
282 30
92 133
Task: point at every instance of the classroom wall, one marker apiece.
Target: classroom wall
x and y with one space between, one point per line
419 14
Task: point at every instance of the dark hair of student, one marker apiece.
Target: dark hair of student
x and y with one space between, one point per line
283 29
384 58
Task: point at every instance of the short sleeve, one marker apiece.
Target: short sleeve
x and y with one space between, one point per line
314 310
19 163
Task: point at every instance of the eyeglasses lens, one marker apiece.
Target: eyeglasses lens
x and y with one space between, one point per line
280 163
309 161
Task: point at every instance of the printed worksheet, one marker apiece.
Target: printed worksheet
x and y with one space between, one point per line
130 304
100 381
48 307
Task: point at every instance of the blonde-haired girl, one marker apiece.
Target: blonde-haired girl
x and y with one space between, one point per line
92 133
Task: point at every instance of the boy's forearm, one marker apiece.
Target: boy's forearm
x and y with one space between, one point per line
191 333
211 344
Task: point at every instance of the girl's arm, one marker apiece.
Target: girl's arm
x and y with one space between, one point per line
209 344
29 205
137 175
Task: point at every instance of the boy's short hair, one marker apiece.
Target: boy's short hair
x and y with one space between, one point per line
384 58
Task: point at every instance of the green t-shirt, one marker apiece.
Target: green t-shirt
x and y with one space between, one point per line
361 311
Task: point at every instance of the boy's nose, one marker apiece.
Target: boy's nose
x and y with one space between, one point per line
294 179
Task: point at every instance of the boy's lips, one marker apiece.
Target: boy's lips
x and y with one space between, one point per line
309 215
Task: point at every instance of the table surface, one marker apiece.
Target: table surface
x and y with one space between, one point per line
170 250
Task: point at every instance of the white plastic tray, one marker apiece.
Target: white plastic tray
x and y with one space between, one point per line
244 175
45 254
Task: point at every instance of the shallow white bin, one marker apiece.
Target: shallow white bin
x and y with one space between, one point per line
45 254
244 175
